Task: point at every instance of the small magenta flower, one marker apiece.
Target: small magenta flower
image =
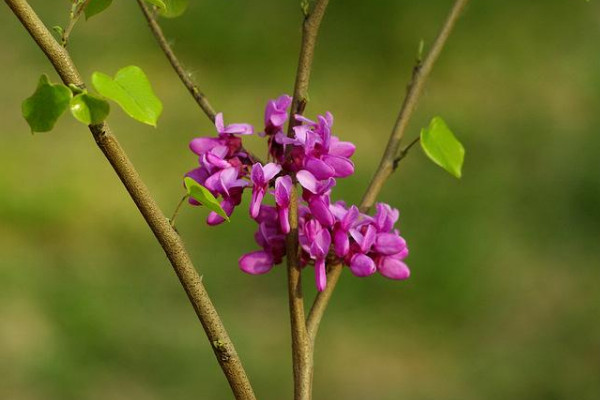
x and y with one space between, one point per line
256 262
345 221
261 176
232 129
276 114
283 191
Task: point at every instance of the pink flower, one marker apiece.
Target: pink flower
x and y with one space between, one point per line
261 176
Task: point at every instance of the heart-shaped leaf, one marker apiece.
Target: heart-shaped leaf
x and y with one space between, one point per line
89 109
131 90
46 105
442 147
174 8
204 196
96 7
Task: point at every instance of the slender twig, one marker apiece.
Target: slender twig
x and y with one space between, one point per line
318 308
175 63
176 212
392 154
415 88
405 151
167 237
77 9
310 30
302 349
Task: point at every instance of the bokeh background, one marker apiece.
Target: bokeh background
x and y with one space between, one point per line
504 300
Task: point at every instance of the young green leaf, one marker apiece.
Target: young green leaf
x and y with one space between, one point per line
442 147
96 7
158 3
46 105
89 109
173 8
204 196
131 90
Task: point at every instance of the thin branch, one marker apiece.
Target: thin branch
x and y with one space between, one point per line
310 30
302 349
175 63
167 237
415 88
77 9
392 154
318 308
405 151
176 212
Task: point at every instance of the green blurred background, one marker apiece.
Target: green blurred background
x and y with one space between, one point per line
504 300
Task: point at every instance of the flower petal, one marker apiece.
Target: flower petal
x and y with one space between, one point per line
202 145
341 165
341 149
320 274
393 268
256 262
319 168
362 266
319 206
389 243
307 180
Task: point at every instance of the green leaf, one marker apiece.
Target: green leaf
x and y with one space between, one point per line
442 147
46 105
174 8
131 90
158 3
204 196
89 109
96 7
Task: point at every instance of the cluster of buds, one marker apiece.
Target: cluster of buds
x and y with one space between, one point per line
314 158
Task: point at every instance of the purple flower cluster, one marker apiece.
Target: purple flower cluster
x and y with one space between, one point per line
327 231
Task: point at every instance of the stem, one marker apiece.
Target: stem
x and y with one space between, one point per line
318 308
392 155
174 216
167 237
415 88
310 30
405 151
175 63
301 348
74 17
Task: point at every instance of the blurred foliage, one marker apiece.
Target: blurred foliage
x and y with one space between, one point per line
504 298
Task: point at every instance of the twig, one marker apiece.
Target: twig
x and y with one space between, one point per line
392 155
310 30
302 349
175 63
77 9
176 212
167 237
415 87
318 308
405 151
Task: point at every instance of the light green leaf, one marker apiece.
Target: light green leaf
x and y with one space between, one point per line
89 109
131 90
96 7
204 196
442 147
174 8
46 105
158 3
